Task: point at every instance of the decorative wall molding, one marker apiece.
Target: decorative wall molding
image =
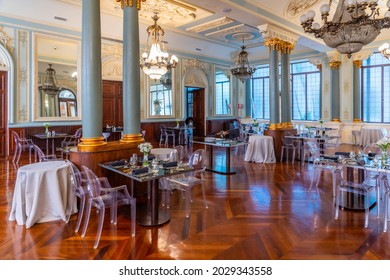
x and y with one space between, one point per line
6 41
23 77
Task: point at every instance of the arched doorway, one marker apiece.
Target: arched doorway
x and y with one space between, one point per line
195 103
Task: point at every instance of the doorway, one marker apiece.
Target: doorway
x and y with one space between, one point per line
196 109
3 114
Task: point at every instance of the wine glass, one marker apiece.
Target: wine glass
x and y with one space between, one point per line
154 165
133 160
376 160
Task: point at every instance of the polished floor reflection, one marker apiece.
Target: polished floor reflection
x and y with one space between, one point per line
265 211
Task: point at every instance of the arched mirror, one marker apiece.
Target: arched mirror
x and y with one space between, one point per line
161 98
57 87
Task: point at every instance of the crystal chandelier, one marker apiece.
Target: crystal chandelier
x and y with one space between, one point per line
354 24
385 51
166 80
49 86
242 69
157 62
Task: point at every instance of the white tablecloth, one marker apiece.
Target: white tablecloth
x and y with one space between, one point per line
42 193
370 135
260 149
162 153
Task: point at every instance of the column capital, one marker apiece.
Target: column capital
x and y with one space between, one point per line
316 62
334 65
129 3
357 63
277 38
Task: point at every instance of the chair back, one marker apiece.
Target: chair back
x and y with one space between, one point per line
41 155
93 183
372 148
198 159
78 132
179 153
287 141
16 138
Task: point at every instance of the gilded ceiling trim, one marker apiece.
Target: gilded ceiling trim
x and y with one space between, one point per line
129 3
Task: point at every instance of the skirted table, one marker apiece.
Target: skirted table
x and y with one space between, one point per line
260 149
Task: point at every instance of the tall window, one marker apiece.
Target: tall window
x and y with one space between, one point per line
259 86
305 91
222 94
160 100
375 85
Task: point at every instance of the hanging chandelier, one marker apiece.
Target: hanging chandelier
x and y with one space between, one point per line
49 86
354 24
242 69
157 62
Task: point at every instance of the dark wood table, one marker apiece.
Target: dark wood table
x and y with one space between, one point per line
52 138
220 143
149 214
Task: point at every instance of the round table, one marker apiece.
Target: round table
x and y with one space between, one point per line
42 193
260 149
162 153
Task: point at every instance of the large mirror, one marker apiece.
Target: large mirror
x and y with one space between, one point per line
223 100
161 98
57 73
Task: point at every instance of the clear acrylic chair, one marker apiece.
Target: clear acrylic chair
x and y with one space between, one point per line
79 189
70 141
21 144
165 187
289 144
386 201
100 196
187 182
165 135
42 156
352 179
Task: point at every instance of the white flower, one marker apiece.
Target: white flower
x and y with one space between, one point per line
46 125
145 147
383 143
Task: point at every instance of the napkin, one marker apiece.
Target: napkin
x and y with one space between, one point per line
346 154
334 158
140 171
170 164
118 163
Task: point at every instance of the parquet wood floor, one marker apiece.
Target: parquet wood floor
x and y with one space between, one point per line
265 211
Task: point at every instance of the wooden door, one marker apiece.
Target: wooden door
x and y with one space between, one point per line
198 112
112 103
3 114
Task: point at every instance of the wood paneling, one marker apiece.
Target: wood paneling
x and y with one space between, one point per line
112 103
3 114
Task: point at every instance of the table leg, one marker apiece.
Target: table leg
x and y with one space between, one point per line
228 160
47 146
150 214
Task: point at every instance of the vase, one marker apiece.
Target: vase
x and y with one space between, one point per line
384 157
145 161
47 131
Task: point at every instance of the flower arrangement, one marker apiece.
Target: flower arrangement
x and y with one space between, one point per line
46 125
255 123
321 122
383 143
145 147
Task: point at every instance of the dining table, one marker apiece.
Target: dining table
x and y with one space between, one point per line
260 149
51 137
184 133
148 214
213 142
42 193
370 135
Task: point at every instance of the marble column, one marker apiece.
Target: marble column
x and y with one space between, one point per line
91 74
357 99
285 90
131 76
335 90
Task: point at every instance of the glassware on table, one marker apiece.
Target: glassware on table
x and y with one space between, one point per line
133 160
155 165
376 160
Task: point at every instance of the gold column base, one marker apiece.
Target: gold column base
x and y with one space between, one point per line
357 120
91 144
132 138
336 120
287 125
275 126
